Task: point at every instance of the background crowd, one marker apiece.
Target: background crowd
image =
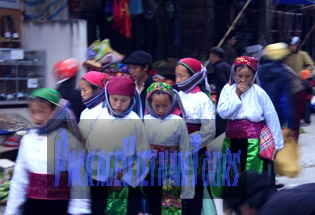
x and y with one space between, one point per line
269 85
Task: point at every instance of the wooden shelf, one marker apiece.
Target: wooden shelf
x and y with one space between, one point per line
5 40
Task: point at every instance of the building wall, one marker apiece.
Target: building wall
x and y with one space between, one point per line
60 40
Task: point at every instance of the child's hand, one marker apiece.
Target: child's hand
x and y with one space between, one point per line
241 88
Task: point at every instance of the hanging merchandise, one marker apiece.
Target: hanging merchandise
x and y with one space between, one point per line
121 19
100 54
135 7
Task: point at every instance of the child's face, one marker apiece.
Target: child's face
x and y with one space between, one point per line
181 74
161 104
85 89
244 75
40 111
119 103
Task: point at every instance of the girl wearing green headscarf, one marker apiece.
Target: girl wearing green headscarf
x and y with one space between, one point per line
167 134
40 183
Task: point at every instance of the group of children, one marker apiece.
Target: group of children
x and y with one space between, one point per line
127 164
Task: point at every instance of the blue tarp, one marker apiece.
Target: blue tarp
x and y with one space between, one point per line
293 1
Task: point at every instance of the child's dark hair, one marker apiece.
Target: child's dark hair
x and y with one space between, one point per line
159 92
94 88
42 100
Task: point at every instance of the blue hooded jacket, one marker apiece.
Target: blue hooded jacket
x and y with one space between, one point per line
275 81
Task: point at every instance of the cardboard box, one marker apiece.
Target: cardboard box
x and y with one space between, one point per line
6 170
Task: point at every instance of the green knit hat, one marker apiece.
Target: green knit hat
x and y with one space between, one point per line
49 94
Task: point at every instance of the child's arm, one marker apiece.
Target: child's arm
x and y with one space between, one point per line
80 190
19 183
207 118
188 190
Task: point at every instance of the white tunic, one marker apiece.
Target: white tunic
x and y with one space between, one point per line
170 131
89 116
253 105
200 109
37 154
107 139
92 113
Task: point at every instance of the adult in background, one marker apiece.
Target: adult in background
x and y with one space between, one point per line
309 83
254 51
229 48
222 72
297 59
65 71
254 195
274 79
140 63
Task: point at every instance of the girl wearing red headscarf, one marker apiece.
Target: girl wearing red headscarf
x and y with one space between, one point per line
248 108
194 91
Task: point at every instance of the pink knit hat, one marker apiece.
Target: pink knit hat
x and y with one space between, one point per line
121 85
95 78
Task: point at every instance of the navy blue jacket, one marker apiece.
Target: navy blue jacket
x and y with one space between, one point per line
275 81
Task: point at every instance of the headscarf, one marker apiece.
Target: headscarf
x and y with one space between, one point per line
120 85
248 61
176 107
116 69
120 69
198 76
97 79
276 51
62 116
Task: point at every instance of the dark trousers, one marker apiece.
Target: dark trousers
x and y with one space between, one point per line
49 207
220 125
154 195
307 112
299 101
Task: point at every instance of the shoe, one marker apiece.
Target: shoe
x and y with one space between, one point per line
279 185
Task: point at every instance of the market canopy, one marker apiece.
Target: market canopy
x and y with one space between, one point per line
293 1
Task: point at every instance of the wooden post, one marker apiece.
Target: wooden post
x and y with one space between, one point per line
234 22
307 35
230 28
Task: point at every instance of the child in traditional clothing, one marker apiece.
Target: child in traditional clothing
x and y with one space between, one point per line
167 133
92 86
248 108
40 183
119 152
93 94
194 91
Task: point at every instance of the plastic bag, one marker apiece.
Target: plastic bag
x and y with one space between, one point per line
287 160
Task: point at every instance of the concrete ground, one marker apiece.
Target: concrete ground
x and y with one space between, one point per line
306 158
